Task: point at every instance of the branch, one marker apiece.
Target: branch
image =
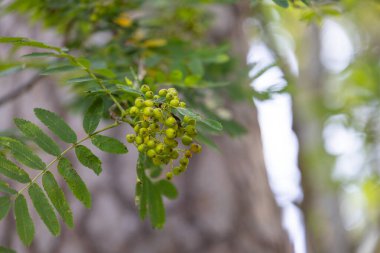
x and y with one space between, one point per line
20 90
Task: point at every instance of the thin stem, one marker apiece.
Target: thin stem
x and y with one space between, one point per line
48 167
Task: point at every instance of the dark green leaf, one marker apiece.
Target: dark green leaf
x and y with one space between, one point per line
44 209
196 66
75 183
105 72
22 153
156 206
58 69
57 198
109 144
206 140
93 115
128 90
24 223
19 41
5 205
56 124
80 79
11 170
167 189
33 132
188 112
282 3
6 250
88 159
4 187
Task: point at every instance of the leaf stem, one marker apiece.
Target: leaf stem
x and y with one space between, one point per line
48 167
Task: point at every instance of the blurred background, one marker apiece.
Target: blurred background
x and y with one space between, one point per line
298 167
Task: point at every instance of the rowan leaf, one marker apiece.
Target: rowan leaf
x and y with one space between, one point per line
6 250
11 170
109 144
44 209
156 206
167 189
5 188
33 132
5 205
74 181
93 115
57 198
88 159
22 153
24 223
56 124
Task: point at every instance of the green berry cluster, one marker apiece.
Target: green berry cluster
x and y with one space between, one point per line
158 131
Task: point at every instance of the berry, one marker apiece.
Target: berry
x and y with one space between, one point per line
157 113
169 96
148 103
151 144
174 155
170 122
174 102
173 91
187 140
130 138
151 153
182 104
149 94
170 133
195 148
162 92
141 148
139 102
148 111
190 130
169 176
160 148
144 88
139 140
143 131
133 111
176 170
188 154
184 161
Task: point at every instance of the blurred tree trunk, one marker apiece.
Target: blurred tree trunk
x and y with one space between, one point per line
226 204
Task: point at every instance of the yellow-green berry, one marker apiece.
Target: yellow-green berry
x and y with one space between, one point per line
174 102
133 111
149 94
139 140
170 122
169 176
176 170
139 102
162 92
141 147
151 153
195 148
144 88
170 133
187 140
148 111
130 138
148 103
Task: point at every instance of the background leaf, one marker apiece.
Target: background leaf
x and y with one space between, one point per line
57 198
109 144
167 189
282 3
44 209
5 188
156 206
93 115
33 132
56 124
88 159
6 250
5 205
24 223
75 183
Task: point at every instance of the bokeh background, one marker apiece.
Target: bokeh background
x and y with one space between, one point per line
303 178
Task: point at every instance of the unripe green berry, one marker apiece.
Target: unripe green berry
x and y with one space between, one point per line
176 170
157 113
148 103
139 102
186 119
170 122
148 111
169 176
143 131
169 96
133 111
144 88
149 94
156 161
184 161
151 153
144 124
136 128
174 155
173 91
156 97
130 138
174 102
170 133
141 148
162 92
182 104
187 140
188 154
170 142
182 168
195 148
139 140
160 148
151 144
190 130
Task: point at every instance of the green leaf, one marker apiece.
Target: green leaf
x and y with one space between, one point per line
75 183
57 198
33 132
11 170
141 199
24 223
212 124
282 3
206 140
88 159
167 189
156 206
80 79
56 124
105 72
44 209
4 187
40 54
19 41
128 90
6 250
58 69
5 205
93 115
109 144
196 66
188 112
22 153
